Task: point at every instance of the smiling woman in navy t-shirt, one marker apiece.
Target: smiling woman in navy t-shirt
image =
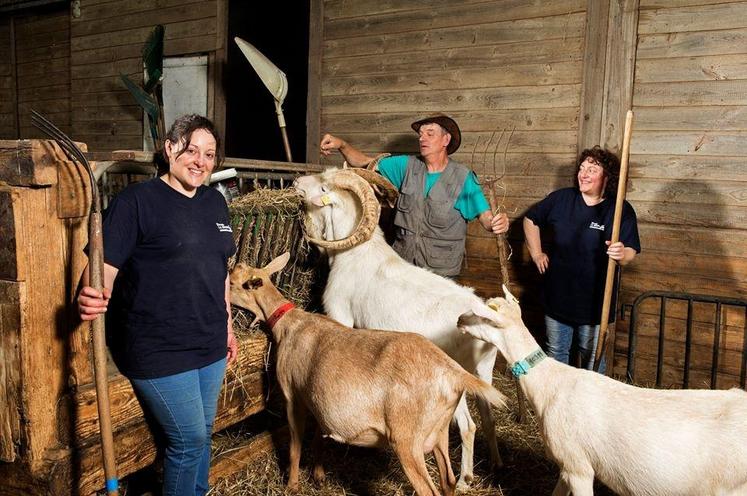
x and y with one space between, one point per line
576 268
166 247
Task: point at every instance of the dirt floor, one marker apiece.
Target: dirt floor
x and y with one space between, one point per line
359 471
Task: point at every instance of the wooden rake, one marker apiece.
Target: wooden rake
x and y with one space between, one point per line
96 268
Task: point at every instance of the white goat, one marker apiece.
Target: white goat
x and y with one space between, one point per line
367 388
371 286
638 441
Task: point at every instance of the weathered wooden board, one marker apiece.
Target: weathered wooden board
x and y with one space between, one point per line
10 360
692 44
710 143
691 93
514 97
446 16
706 118
134 15
707 68
495 56
521 142
592 88
177 30
694 240
693 18
516 31
721 193
558 119
513 75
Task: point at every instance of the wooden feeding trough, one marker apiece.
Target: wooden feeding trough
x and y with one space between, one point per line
49 435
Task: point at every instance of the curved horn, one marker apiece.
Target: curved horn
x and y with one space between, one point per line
347 180
381 185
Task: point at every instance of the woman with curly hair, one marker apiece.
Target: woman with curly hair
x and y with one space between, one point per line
574 272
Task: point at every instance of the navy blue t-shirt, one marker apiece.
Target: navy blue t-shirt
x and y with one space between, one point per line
575 277
168 312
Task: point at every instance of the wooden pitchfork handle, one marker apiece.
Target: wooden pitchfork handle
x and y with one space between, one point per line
612 264
96 270
500 241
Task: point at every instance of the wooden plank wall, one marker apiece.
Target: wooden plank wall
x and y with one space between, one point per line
7 81
107 40
43 69
521 70
509 72
688 177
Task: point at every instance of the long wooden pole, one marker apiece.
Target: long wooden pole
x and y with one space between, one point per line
500 241
611 264
96 271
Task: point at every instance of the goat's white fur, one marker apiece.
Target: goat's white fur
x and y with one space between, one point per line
638 441
371 286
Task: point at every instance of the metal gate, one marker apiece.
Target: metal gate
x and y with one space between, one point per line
664 296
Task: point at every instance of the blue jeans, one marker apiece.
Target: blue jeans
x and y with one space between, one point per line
560 336
184 406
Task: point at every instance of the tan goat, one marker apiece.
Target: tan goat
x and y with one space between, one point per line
363 387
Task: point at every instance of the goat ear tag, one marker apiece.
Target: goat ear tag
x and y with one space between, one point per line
321 200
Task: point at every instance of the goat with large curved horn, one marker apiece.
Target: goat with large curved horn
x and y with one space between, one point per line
384 189
371 210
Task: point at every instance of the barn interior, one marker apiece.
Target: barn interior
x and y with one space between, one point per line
531 83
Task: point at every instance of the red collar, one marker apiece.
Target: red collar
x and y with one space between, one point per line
278 314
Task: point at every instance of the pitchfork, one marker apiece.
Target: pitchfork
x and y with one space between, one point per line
96 267
492 183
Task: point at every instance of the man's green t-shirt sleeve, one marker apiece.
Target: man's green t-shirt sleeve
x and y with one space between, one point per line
393 168
471 202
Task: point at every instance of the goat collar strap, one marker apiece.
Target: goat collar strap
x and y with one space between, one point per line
278 314
522 366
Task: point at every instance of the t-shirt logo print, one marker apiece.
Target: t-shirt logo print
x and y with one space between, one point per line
223 227
594 225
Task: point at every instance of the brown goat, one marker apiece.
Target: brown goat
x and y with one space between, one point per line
363 387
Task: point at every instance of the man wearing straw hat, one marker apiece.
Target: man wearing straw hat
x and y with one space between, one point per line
438 196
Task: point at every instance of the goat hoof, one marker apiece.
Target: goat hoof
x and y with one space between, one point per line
464 482
291 488
319 475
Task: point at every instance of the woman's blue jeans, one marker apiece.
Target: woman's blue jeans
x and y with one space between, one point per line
184 406
560 337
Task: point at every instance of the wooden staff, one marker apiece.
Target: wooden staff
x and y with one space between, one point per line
612 264
500 241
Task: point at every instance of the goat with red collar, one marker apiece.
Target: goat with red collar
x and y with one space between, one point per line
363 387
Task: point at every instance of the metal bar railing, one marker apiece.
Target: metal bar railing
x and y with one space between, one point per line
664 296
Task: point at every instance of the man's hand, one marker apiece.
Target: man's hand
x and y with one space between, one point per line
91 303
499 223
329 144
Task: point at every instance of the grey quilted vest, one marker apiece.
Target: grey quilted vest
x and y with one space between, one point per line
430 232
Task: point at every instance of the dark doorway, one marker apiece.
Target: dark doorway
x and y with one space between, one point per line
281 32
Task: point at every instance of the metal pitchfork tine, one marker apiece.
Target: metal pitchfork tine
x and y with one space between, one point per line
96 268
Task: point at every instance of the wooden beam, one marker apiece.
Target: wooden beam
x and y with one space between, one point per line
620 71
592 87
14 77
216 67
314 95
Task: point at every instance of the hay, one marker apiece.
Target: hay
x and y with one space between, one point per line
268 222
360 471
